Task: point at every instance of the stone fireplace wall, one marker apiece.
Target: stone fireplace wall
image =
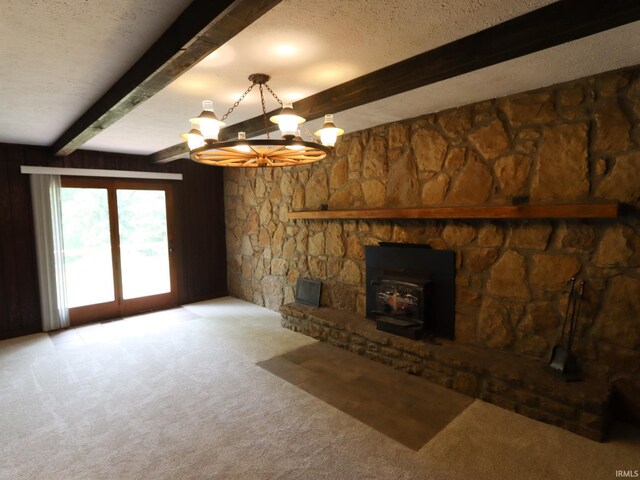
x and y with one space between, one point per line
575 142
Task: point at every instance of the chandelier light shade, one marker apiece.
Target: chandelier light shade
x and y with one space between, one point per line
291 149
287 121
329 133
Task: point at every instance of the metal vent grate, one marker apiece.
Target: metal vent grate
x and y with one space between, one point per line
308 291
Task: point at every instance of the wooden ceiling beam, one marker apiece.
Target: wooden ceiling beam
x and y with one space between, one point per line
200 29
547 27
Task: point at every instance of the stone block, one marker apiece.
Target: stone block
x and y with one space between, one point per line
620 246
467 383
565 411
375 158
357 349
530 235
490 140
429 148
334 240
458 235
571 95
279 266
508 277
390 352
623 181
472 186
410 357
479 259
499 400
529 108
334 265
398 135
494 327
523 397
350 273
354 157
339 174
289 248
403 188
617 321
298 199
512 173
342 200
317 267
455 122
612 128
495 386
490 235
374 193
316 190
455 160
316 244
541 317
577 237
539 414
562 169
437 378
551 273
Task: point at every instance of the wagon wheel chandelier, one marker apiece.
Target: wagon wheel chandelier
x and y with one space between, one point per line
290 150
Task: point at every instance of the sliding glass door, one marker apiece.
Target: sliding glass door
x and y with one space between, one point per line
118 245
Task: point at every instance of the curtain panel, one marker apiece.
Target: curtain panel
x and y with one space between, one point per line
47 215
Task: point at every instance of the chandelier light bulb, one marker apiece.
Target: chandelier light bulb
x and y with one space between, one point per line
242 136
329 132
287 120
193 137
296 138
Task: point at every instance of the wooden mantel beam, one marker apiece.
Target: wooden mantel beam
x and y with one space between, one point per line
539 211
200 29
552 25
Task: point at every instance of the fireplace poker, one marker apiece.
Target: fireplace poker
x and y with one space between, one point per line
574 318
572 283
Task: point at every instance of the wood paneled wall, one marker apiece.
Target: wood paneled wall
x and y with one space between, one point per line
199 210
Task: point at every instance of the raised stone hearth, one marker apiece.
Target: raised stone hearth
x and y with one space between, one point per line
508 380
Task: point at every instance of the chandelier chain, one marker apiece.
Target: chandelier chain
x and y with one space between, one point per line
264 110
306 130
274 94
224 117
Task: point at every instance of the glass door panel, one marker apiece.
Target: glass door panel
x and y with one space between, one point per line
87 246
118 236
144 244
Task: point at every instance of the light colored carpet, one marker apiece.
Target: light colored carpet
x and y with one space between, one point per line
178 394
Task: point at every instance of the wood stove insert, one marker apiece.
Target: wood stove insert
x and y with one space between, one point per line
410 289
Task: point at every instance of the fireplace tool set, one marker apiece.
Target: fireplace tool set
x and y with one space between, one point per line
564 363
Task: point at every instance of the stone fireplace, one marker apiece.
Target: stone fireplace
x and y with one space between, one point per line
574 142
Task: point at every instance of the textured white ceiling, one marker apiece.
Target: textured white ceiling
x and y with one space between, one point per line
76 49
305 49
59 56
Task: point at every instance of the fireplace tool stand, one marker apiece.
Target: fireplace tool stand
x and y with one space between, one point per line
564 363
